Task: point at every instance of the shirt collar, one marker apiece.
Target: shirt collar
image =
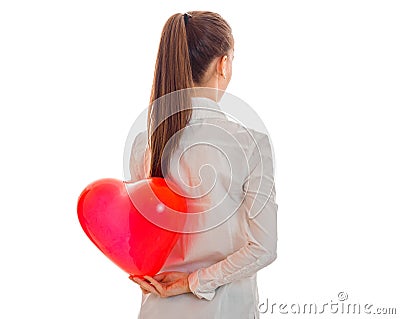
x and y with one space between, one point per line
203 107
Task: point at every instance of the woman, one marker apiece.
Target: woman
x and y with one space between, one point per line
211 272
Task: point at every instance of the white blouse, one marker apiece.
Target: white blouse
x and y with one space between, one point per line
228 169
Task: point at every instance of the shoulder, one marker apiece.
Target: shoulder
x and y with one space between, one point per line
250 139
261 142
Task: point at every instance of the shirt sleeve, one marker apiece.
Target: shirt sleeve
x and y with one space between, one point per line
261 215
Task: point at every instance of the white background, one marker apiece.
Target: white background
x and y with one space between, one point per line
324 76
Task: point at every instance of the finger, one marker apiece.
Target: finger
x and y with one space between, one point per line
146 286
160 277
144 290
135 280
149 289
133 277
155 283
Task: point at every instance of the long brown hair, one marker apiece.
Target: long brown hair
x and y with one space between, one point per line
189 42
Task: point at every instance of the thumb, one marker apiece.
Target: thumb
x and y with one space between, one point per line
160 277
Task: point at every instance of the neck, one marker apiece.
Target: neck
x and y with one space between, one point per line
211 92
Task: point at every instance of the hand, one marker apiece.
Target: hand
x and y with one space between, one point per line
165 284
138 280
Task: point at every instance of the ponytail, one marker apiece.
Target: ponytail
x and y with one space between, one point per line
188 44
172 73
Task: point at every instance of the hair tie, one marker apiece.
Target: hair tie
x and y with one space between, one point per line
186 17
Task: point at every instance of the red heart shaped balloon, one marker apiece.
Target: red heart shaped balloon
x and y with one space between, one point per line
120 219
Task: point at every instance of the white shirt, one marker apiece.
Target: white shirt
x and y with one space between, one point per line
228 244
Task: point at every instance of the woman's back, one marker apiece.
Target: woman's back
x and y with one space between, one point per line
227 172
